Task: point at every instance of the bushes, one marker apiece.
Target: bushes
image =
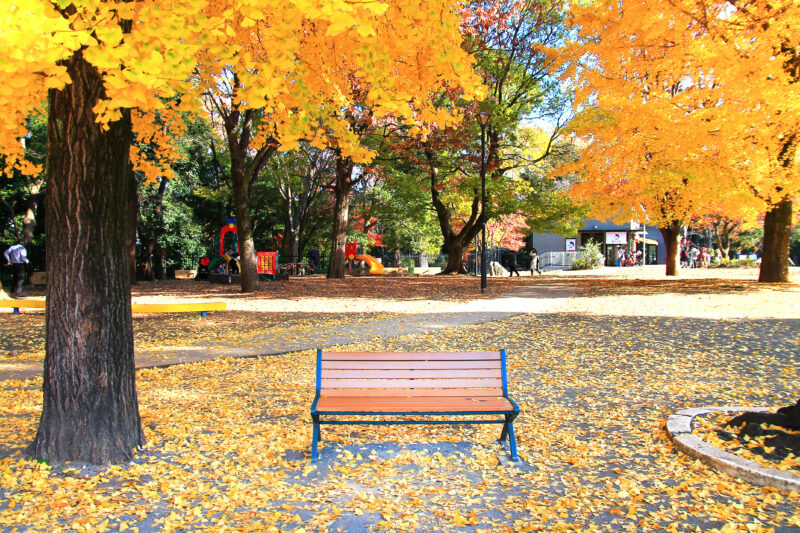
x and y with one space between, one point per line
736 263
588 258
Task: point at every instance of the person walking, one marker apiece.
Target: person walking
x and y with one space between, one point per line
512 264
619 256
535 262
17 257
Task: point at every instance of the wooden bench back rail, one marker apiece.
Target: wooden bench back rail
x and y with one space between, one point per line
412 383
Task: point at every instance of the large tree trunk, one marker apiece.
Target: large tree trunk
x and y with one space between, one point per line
455 258
244 224
90 411
777 240
341 215
672 239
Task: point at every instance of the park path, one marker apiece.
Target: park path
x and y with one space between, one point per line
538 298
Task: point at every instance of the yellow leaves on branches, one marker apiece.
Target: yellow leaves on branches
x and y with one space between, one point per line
295 60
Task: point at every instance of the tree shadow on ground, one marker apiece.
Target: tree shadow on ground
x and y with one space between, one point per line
604 286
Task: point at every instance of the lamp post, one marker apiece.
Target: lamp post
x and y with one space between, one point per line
483 119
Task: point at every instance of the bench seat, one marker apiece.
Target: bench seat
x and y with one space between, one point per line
415 405
427 384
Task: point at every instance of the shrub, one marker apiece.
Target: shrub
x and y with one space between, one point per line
409 264
736 263
588 258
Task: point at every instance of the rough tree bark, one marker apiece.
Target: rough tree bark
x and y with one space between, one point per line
90 410
777 240
672 240
342 187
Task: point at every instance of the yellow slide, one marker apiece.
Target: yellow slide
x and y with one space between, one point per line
375 268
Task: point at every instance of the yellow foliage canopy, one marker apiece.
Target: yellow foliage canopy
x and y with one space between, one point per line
686 105
295 59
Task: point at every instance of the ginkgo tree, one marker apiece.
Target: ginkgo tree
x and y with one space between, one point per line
273 84
90 62
721 79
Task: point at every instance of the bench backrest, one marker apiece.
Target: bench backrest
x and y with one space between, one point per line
411 374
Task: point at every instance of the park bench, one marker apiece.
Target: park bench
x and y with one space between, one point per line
374 386
202 307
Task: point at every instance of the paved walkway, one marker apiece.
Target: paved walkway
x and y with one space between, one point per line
537 298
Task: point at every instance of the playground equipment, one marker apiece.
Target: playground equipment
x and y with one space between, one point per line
375 266
218 271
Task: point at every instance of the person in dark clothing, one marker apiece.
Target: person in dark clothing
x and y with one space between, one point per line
313 258
512 264
233 263
17 257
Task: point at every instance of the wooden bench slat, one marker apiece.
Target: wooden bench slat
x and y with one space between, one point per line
402 393
410 356
409 383
410 365
358 404
413 374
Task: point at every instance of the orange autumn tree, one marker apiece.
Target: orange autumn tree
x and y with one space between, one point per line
716 85
90 63
326 81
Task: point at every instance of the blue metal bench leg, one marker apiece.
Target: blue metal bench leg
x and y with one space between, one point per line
513 441
508 433
315 439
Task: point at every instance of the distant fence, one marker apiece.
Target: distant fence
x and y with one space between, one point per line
562 259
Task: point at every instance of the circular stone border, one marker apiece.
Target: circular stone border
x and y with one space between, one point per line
679 429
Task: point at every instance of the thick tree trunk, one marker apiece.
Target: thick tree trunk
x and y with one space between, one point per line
777 240
341 216
90 411
672 239
455 258
244 224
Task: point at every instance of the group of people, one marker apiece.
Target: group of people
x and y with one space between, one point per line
699 257
624 257
510 262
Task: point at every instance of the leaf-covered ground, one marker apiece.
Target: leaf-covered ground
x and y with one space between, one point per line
229 441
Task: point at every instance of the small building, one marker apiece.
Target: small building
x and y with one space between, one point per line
609 236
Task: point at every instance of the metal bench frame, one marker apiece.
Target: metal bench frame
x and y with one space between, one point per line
508 415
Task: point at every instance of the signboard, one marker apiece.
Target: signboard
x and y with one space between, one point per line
267 262
616 237
572 245
350 250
